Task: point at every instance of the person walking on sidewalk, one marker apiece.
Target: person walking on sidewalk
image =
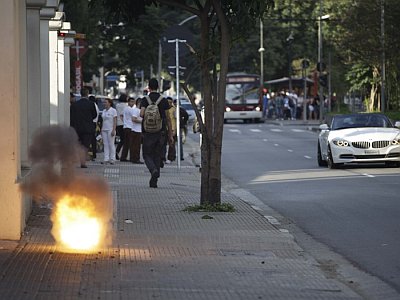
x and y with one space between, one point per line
93 144
82 113
108 131
128 125
171 114
152 141
184 117
122 103
136 133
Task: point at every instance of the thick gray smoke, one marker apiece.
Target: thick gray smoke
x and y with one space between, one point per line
55 155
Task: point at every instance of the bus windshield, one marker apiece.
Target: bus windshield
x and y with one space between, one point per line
242 90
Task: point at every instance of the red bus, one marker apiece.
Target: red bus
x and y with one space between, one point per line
243 101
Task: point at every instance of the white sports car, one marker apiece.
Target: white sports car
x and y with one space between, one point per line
359 138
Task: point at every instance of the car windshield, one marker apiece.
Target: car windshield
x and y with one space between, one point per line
359 121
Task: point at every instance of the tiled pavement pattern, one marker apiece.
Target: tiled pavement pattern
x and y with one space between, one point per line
166 253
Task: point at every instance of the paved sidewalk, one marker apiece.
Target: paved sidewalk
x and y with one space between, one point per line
162 252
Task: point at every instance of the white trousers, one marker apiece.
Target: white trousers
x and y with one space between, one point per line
109 145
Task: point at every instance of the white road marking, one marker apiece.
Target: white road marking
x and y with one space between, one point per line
265 140
255 130
319 174
276 145
276 130
255 207
368 175
308 157
290 150
297 130
272 220
235 130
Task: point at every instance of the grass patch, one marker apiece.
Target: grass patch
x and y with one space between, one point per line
223 207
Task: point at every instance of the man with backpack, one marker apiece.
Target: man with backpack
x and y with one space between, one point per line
154 129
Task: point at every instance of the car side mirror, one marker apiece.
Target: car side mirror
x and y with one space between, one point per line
323 127
397 124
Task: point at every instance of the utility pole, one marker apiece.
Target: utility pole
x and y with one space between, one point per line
290 40
383 72
159 64
261 50
178 118
321 89
329 81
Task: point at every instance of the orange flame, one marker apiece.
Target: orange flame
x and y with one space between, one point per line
76 225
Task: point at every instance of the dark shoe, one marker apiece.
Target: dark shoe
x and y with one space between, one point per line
83 166
153 182
155 174
138 162
116 156
162 164
123 160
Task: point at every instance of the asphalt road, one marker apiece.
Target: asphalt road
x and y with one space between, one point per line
355 211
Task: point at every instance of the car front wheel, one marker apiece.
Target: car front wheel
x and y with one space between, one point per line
331 164
321 162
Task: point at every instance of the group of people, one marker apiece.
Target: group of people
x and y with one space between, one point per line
126 122
289 106
129 129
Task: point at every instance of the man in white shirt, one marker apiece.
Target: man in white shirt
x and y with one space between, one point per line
136 133
93 144
127 128
122 103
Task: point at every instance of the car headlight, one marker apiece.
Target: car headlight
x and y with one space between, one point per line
341 143
258 108
396 141
227 109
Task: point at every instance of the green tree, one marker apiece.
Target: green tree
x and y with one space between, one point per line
220 23
356 33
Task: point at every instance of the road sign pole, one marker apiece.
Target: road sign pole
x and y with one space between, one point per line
178 119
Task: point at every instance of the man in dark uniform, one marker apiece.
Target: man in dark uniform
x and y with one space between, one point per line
83 112
152 142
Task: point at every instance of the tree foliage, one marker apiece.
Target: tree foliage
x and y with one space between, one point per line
356 33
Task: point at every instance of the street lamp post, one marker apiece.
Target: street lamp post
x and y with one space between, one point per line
289 40
321 89
261 50
178 119
320 60
383 72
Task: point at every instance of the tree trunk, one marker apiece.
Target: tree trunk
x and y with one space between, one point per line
208 113
211 148
374 104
